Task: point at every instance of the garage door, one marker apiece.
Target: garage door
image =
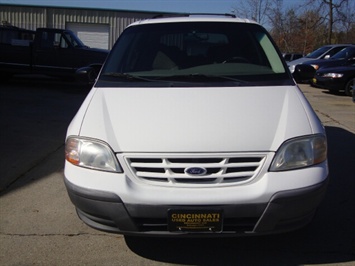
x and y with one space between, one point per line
92 35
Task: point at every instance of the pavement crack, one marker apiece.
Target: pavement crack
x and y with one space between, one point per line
330 119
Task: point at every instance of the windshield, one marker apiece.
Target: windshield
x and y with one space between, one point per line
73 40
317 53
195 52
348 52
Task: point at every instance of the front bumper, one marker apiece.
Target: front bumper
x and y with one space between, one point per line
328 83
286 211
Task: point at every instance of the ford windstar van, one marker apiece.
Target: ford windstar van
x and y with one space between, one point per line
195 127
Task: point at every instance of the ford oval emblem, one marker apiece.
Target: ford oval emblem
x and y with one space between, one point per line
196 171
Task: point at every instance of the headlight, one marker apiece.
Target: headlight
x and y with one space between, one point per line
92 154
333 75
315 67
300 152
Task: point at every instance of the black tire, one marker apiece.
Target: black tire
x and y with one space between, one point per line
348 87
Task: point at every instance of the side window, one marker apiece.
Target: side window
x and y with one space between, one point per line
287 57
351 53
335 50
51 40
70 40
16 37
297 56
60 41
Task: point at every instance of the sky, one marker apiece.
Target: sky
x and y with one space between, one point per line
186 6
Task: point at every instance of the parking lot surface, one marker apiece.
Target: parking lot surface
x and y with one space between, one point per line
39 226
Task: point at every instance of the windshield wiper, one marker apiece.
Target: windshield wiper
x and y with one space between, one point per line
203 77
127 76
185 78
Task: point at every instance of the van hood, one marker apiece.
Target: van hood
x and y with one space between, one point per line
222 119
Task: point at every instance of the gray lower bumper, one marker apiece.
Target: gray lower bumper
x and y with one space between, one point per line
286 211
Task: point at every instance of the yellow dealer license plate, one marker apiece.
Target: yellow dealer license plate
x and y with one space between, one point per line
195 220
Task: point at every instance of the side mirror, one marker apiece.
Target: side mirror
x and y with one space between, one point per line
88 74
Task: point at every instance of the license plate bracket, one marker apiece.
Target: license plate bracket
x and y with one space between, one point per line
195 220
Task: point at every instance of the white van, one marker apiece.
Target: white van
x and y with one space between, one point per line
195 127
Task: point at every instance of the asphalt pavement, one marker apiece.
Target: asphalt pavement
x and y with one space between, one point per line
39 226
34 116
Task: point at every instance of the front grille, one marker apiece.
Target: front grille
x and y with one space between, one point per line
217 170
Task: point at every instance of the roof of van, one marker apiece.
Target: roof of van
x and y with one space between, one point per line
194 17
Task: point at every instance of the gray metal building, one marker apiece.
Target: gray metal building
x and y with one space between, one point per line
97 28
